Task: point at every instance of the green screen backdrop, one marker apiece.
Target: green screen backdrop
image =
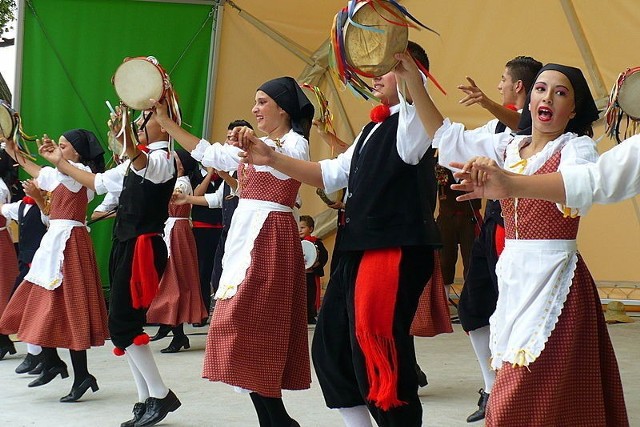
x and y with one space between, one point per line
71 48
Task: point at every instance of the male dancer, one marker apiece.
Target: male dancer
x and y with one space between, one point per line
138 256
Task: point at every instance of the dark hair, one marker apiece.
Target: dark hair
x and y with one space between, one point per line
239 122
418 53
525 69
8 170
308 220
189 164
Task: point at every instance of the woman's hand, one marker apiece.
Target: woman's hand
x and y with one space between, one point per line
179 198
50 150
255 150
482 178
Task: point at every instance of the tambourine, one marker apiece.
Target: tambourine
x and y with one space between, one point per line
139 79
322 113
372 36
8 120
310 253
624 105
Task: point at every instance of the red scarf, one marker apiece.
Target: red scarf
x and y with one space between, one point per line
144 277
380 113
376 290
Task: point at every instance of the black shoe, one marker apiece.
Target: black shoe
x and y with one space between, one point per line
28 364
77 392
157 409
49 374
163 331
37 370
138 411
176 344
422 377
202 324
482 406
9 348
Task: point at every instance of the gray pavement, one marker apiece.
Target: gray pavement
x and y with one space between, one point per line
449 361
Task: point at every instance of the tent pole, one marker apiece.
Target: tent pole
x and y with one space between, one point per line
212 75
17 89
585 51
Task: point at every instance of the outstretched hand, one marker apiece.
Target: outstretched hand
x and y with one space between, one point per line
50 150
482 178
255 151
474 94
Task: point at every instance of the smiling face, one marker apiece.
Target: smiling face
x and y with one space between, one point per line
552 102
269 115
384 87
68 152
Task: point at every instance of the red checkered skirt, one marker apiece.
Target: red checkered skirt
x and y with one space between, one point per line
72 316
9 263
179 299
258 339
575 381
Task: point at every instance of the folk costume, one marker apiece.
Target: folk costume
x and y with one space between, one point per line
313 276
60 303
258 335
9 272
548 319
179 299
362 350
138 259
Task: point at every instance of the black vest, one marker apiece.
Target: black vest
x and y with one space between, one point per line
389 202
204 213
31 231
229 205
143 207
493 210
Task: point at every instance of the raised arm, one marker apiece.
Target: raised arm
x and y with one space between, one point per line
52 152
27 164
184 138
475 95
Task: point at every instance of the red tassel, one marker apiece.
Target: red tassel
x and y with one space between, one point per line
380 113
144 277
142 339
118 351
28 200
376 290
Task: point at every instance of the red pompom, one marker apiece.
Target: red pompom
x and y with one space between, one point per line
142 339
380 113
118 351
512 107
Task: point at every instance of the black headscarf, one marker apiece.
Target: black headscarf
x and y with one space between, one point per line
586 110
289 96
87 145
189 164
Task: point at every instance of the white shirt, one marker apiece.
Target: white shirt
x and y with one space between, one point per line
412 142
615 176
160 168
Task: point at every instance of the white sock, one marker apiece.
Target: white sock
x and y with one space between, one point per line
34 349
356 416
143 359
141 384
480 342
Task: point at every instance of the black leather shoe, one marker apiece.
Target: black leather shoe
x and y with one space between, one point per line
49 374
77 392
157 409
482 406
138 411
422 377
202 324
28 364
176 344
163 331
9 348
37 370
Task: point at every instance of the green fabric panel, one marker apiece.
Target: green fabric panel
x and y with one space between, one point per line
68 65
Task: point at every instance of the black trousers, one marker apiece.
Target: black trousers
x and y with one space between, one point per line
206 244
337 357
480 291
126 322
217 260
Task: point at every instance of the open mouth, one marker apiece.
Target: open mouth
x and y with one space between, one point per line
544 114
